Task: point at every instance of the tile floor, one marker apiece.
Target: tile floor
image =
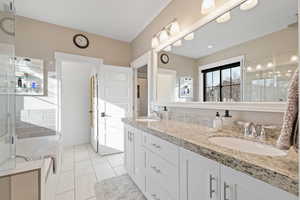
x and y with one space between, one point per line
82 168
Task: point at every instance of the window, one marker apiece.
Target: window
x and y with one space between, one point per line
222 83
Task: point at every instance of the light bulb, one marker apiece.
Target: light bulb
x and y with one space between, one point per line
224 18
270 64
177 43
249 69
258 67
189 36
249 4
174 29
168 48
155 42
163 36
294 58
207 6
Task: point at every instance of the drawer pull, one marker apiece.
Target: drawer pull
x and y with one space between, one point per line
211 190
156 146
155 169
226 186
155 197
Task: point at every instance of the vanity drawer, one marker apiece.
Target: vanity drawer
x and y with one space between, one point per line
166 150
155 192
164 173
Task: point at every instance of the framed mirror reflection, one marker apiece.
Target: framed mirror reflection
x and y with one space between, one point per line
240 56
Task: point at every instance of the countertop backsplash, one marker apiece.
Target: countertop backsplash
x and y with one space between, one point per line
206 117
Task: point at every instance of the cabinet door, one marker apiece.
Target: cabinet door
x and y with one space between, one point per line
139 160
199 177
129 153
239 186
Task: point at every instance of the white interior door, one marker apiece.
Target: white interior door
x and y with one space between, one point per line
115 102
94 112
167 91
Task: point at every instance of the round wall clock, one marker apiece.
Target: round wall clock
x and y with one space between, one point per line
81 41
164 58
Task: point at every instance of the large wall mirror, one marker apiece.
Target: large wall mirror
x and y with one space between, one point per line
241 56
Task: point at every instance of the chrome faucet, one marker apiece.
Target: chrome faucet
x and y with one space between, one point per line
250 130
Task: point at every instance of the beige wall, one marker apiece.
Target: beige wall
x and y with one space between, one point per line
187 12
262 50
40 40
183 66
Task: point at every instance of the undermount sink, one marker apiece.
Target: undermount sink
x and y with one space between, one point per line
147 120
247 146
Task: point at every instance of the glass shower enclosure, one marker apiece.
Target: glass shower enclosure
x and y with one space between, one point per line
7 85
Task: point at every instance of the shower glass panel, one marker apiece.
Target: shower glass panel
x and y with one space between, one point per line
7 85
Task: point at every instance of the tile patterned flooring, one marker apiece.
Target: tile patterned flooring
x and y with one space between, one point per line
82 168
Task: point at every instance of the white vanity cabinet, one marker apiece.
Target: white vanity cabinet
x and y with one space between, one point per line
199 177
202 178
238 186
135 156
164 171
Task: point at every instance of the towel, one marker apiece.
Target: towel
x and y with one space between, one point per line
290 120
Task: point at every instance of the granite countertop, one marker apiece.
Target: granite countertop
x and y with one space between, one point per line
281 172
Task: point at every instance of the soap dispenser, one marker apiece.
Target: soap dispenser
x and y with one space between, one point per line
165 113
217 124
227 119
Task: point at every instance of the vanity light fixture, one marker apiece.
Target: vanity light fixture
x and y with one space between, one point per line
168 48
171 29
207 6
249 4
177 43
163 36
174 28
155 42
224 18
294 58
190 36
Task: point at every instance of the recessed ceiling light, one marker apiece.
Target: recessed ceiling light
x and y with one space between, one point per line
249 4
258 67
177 43
163 36
210 46
224 18
207 6
294 58
270 64
190 36
168 48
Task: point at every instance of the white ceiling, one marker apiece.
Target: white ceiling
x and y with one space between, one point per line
117 19
269 16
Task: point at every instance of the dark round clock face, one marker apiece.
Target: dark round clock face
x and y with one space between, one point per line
164 58
81 41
